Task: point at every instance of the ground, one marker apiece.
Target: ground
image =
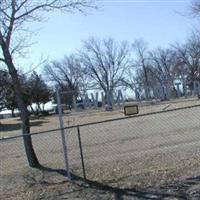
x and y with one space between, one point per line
146 157
12 126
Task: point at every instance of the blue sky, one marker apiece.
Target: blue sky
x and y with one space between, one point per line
159 22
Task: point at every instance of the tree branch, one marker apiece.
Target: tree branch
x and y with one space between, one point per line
196 8
12 20
56 4
2 60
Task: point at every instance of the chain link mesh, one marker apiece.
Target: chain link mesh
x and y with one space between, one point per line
47 146
146 150
143 150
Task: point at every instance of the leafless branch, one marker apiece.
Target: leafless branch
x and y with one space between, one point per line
106 61
14 14
2 60
196 8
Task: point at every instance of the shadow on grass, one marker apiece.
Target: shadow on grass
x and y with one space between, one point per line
17 126
179 190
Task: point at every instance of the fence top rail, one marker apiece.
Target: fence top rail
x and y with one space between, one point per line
132 116
98 122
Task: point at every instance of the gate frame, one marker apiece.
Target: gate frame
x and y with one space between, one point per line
62 131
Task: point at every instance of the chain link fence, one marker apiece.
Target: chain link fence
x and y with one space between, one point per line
147 149
47 146
132 151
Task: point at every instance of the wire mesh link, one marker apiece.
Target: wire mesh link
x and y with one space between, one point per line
159 147
12 156
73 151
48 148
144 150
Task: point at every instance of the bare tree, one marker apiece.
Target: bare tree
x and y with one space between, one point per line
66 71
188 56
14 16
142 63
106 62
163 65
68 75
163 61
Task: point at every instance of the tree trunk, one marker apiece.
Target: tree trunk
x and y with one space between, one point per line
109 101
40 110
146 86
24 114
33 111
13 114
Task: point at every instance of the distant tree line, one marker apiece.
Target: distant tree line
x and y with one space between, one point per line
107 64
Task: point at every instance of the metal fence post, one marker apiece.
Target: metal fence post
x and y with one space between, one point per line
81 152
63 133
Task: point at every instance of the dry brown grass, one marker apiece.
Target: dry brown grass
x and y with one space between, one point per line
12 126
135 158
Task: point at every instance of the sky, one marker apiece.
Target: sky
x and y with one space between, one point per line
159 22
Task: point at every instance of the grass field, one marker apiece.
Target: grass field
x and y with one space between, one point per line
12 126
131 155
